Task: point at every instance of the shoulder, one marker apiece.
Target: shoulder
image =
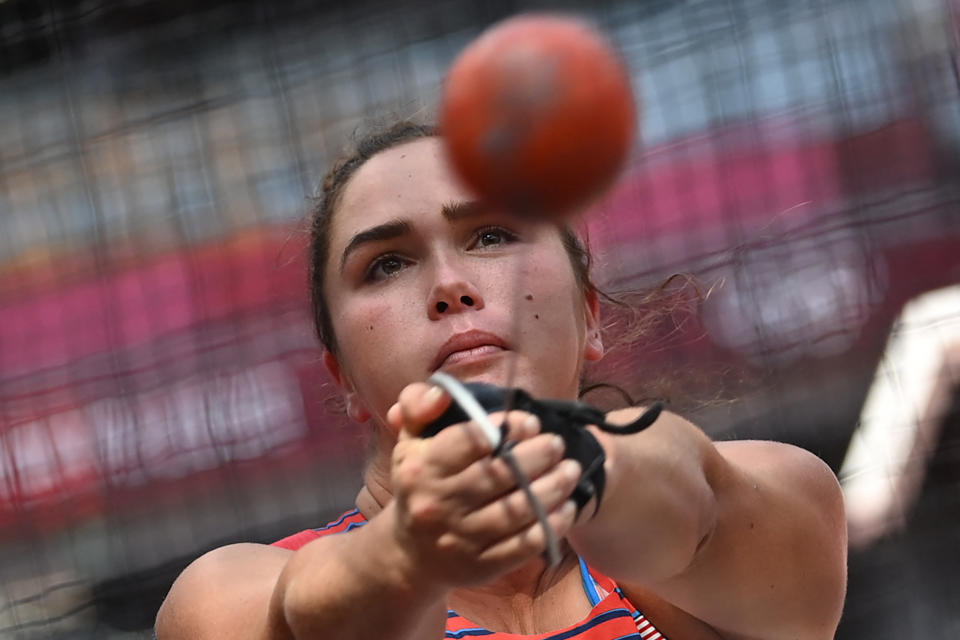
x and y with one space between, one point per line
204 596
203 601
790 468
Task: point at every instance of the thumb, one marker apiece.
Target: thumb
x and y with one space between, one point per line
419 405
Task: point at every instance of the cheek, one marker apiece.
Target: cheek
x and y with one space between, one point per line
552 290
554 315
365 332
552 304
373 341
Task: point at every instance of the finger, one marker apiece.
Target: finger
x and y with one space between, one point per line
490 478
395 417
514 512
419 405
460 445
520 424
529 541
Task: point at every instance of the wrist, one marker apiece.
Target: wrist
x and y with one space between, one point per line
395 558
658 490
327 584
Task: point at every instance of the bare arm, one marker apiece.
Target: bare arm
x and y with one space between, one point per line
443 528
329 588
747 536
360 586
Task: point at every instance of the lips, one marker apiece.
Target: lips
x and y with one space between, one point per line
467 345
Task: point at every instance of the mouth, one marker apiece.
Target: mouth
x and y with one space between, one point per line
467 347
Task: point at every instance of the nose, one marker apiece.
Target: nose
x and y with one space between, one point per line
452 293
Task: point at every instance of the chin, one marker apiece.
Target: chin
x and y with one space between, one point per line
499 375
492 369
489 375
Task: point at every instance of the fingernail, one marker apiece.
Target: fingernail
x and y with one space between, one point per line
569 508
531 424
557 444
433 394
571 469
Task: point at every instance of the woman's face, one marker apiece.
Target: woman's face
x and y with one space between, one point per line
421 277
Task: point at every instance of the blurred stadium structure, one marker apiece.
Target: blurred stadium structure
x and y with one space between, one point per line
160 392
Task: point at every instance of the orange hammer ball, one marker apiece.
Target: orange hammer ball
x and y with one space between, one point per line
538 115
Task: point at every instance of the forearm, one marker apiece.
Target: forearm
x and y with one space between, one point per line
357 587
658 506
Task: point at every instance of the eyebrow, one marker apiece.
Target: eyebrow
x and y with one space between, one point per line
385 231
452 211
461 209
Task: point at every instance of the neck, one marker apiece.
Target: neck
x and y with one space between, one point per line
530 600
376 492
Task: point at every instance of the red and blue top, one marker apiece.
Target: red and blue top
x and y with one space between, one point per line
612 617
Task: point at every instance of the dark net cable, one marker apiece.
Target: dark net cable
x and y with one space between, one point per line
161 388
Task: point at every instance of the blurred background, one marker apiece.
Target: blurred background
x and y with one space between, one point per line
160 387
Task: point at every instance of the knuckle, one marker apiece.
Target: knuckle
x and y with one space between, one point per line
516 507
449 543
501 478
474 446
477 441
408 474
425 511
533 540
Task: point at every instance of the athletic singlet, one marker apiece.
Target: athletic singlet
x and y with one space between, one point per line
613 617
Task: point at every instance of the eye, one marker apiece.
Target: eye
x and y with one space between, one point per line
384 267
494 237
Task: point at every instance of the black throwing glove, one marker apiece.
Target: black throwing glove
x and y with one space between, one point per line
568 419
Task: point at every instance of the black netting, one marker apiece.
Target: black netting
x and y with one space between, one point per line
160 385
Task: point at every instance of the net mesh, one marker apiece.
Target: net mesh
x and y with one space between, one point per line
160 386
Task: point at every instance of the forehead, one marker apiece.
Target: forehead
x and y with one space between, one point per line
400 182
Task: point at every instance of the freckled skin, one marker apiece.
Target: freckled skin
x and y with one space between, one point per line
440 262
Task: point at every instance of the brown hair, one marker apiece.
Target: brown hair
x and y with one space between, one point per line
332 190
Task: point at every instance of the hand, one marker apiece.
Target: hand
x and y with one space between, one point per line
458 512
